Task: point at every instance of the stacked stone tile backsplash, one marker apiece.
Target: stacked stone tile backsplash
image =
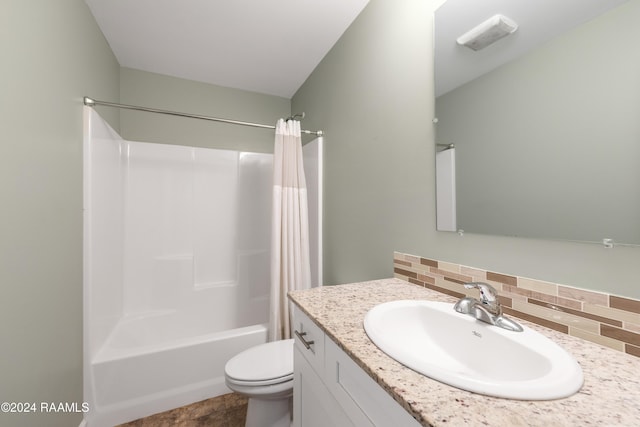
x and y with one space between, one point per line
594 316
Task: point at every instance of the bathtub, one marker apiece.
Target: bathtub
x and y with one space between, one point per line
148 365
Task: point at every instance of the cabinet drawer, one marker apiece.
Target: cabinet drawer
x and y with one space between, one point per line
309 339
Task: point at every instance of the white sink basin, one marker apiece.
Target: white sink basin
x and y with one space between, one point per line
456 349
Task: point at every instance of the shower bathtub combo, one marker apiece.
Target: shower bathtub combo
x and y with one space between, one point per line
176 269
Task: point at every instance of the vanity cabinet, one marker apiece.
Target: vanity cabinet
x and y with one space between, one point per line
330 389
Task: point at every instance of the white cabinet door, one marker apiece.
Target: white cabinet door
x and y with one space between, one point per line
313 405
331 390
366 403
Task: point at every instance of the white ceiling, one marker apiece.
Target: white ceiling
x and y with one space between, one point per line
262 46
538 21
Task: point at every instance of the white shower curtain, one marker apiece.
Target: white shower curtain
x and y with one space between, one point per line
290 267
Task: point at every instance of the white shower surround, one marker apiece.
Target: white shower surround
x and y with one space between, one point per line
176 270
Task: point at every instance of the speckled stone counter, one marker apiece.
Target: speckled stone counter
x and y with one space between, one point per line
610 395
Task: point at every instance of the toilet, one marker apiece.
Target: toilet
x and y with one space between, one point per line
264 374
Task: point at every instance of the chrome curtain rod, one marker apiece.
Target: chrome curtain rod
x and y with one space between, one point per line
90 102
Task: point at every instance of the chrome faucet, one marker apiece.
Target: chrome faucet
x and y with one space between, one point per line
487 308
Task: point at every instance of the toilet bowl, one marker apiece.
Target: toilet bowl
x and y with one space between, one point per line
264 374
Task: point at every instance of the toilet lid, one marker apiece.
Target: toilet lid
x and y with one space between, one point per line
266 363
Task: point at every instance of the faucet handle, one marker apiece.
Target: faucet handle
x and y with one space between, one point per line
488 295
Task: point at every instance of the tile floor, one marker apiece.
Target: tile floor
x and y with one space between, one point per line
229 410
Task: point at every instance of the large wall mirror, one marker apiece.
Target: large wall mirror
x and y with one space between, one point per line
545 121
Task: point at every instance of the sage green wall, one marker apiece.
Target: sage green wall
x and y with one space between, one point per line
373 95
171 93
52 54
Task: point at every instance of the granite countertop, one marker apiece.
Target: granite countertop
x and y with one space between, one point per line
609 397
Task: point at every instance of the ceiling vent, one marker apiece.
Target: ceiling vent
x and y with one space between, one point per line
488 32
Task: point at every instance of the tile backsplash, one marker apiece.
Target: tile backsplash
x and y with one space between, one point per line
605 319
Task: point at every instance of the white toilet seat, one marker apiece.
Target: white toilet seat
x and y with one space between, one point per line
262 365
271 381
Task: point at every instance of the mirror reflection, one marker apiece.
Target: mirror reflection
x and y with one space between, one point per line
545 121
